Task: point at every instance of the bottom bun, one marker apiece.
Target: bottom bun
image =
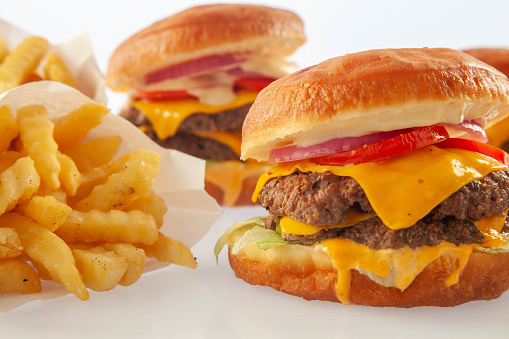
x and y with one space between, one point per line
485 277
232 183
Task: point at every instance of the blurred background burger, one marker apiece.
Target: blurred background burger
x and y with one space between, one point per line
192 78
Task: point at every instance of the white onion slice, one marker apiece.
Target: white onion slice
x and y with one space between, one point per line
473 129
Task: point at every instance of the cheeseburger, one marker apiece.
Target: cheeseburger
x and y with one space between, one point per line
498 135
383 192
193 76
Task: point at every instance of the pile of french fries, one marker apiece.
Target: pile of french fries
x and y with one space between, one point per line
72 212
19 65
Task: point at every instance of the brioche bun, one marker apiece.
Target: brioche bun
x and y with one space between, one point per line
312 277
202 31
496 57
377 90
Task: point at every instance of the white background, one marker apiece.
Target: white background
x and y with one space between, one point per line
210 302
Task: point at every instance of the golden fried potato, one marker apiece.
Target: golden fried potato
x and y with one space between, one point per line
17 276
36 134
101 269
72 211
135 261
70 176
166 249
10 246
18 183
8 128
120 189
56 70
47 211
111 226
98 175
75 126
21 62
152 204
93 153
48 250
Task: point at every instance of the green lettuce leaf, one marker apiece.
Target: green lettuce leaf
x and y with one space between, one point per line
264 239
256 221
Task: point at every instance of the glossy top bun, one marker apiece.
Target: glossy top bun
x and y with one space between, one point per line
376 90
496 57
202 31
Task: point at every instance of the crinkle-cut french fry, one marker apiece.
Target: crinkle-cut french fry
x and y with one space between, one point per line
3 50
75 125
111 226
47 211
10 246
56 70
58 194
70 176
21 62
101 270
48 250
8 158
98 175
166 249
135 261
36 134
152 204
8 128
96 152
17 276
120 189
18 183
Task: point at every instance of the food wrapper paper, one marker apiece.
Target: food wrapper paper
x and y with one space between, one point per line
180 181
77 54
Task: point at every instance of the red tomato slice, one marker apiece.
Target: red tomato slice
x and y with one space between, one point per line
161 95
386 148
253 84
476 146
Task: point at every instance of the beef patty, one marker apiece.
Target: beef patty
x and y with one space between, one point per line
184 141
229 120
322 198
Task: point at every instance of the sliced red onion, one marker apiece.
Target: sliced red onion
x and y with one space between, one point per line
291 153
194 67
240 73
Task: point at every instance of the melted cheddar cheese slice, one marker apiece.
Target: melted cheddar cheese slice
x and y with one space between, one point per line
405 188
352 217
491 229
166 115
391 267
497 134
